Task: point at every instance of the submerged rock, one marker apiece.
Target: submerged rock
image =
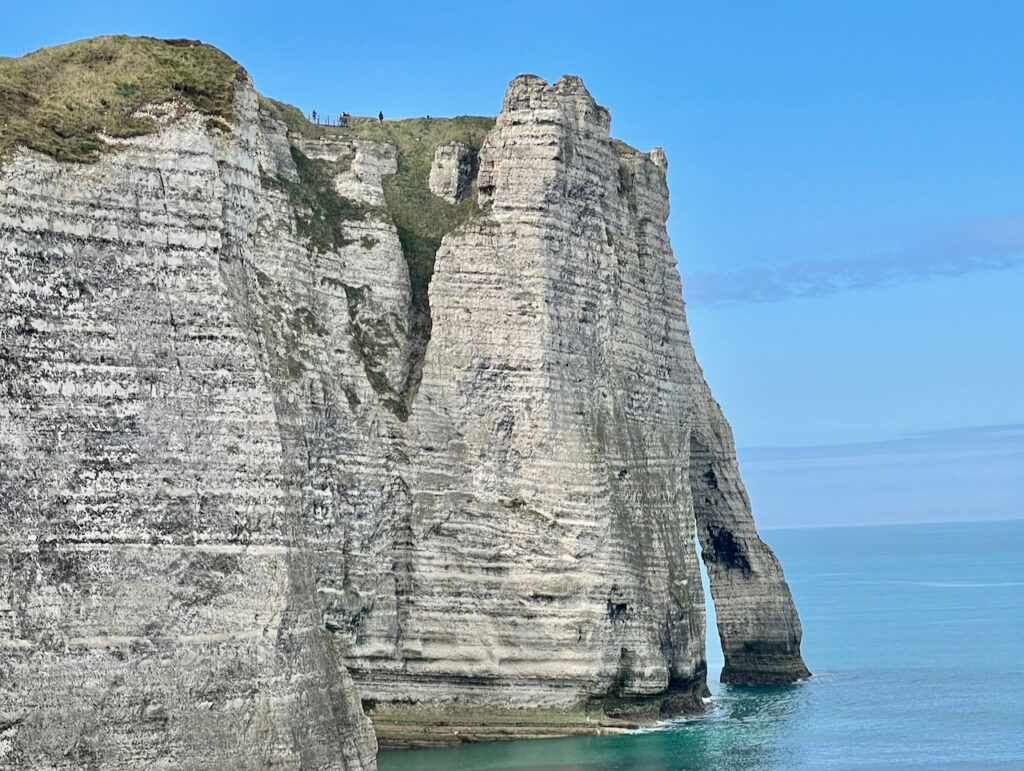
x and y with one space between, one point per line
273 451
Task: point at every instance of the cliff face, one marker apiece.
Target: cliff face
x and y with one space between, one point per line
244 452
550 559
157 597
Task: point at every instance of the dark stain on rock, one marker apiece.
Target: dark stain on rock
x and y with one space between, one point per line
725 550
617 610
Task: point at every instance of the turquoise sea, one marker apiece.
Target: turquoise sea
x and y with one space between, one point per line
915 635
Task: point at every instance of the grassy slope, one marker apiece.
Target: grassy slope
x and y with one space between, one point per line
58 100
420 217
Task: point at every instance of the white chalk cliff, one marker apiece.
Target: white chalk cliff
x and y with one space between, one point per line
256 478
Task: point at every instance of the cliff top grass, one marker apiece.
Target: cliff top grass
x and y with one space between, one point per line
421 218
60 100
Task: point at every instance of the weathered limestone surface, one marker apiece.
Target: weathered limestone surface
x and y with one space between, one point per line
215 504
157 599
559 446
757 620
551 553
450 172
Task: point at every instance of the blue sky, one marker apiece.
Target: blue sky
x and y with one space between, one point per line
847 191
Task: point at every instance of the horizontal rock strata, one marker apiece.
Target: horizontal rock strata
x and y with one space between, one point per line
157 600
242 503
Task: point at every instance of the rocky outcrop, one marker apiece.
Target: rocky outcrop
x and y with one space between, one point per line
244 499
757 620
450 173
551 544
558 462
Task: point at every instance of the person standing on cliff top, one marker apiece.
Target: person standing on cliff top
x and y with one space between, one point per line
380 116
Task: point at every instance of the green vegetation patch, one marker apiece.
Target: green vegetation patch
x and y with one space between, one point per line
291 117
421 218
59 100
320 213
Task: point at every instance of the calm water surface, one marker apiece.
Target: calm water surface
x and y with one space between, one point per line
916 637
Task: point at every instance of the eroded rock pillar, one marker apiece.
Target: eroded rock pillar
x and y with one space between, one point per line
757 620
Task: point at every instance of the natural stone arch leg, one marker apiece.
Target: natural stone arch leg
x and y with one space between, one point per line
757 620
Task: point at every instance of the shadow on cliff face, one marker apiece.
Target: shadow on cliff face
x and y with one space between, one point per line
421 218
726 551
757 621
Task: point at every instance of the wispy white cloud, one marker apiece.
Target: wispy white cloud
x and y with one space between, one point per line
964 474
995 244
952 444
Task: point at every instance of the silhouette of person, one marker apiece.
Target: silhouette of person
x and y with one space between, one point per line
380 116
